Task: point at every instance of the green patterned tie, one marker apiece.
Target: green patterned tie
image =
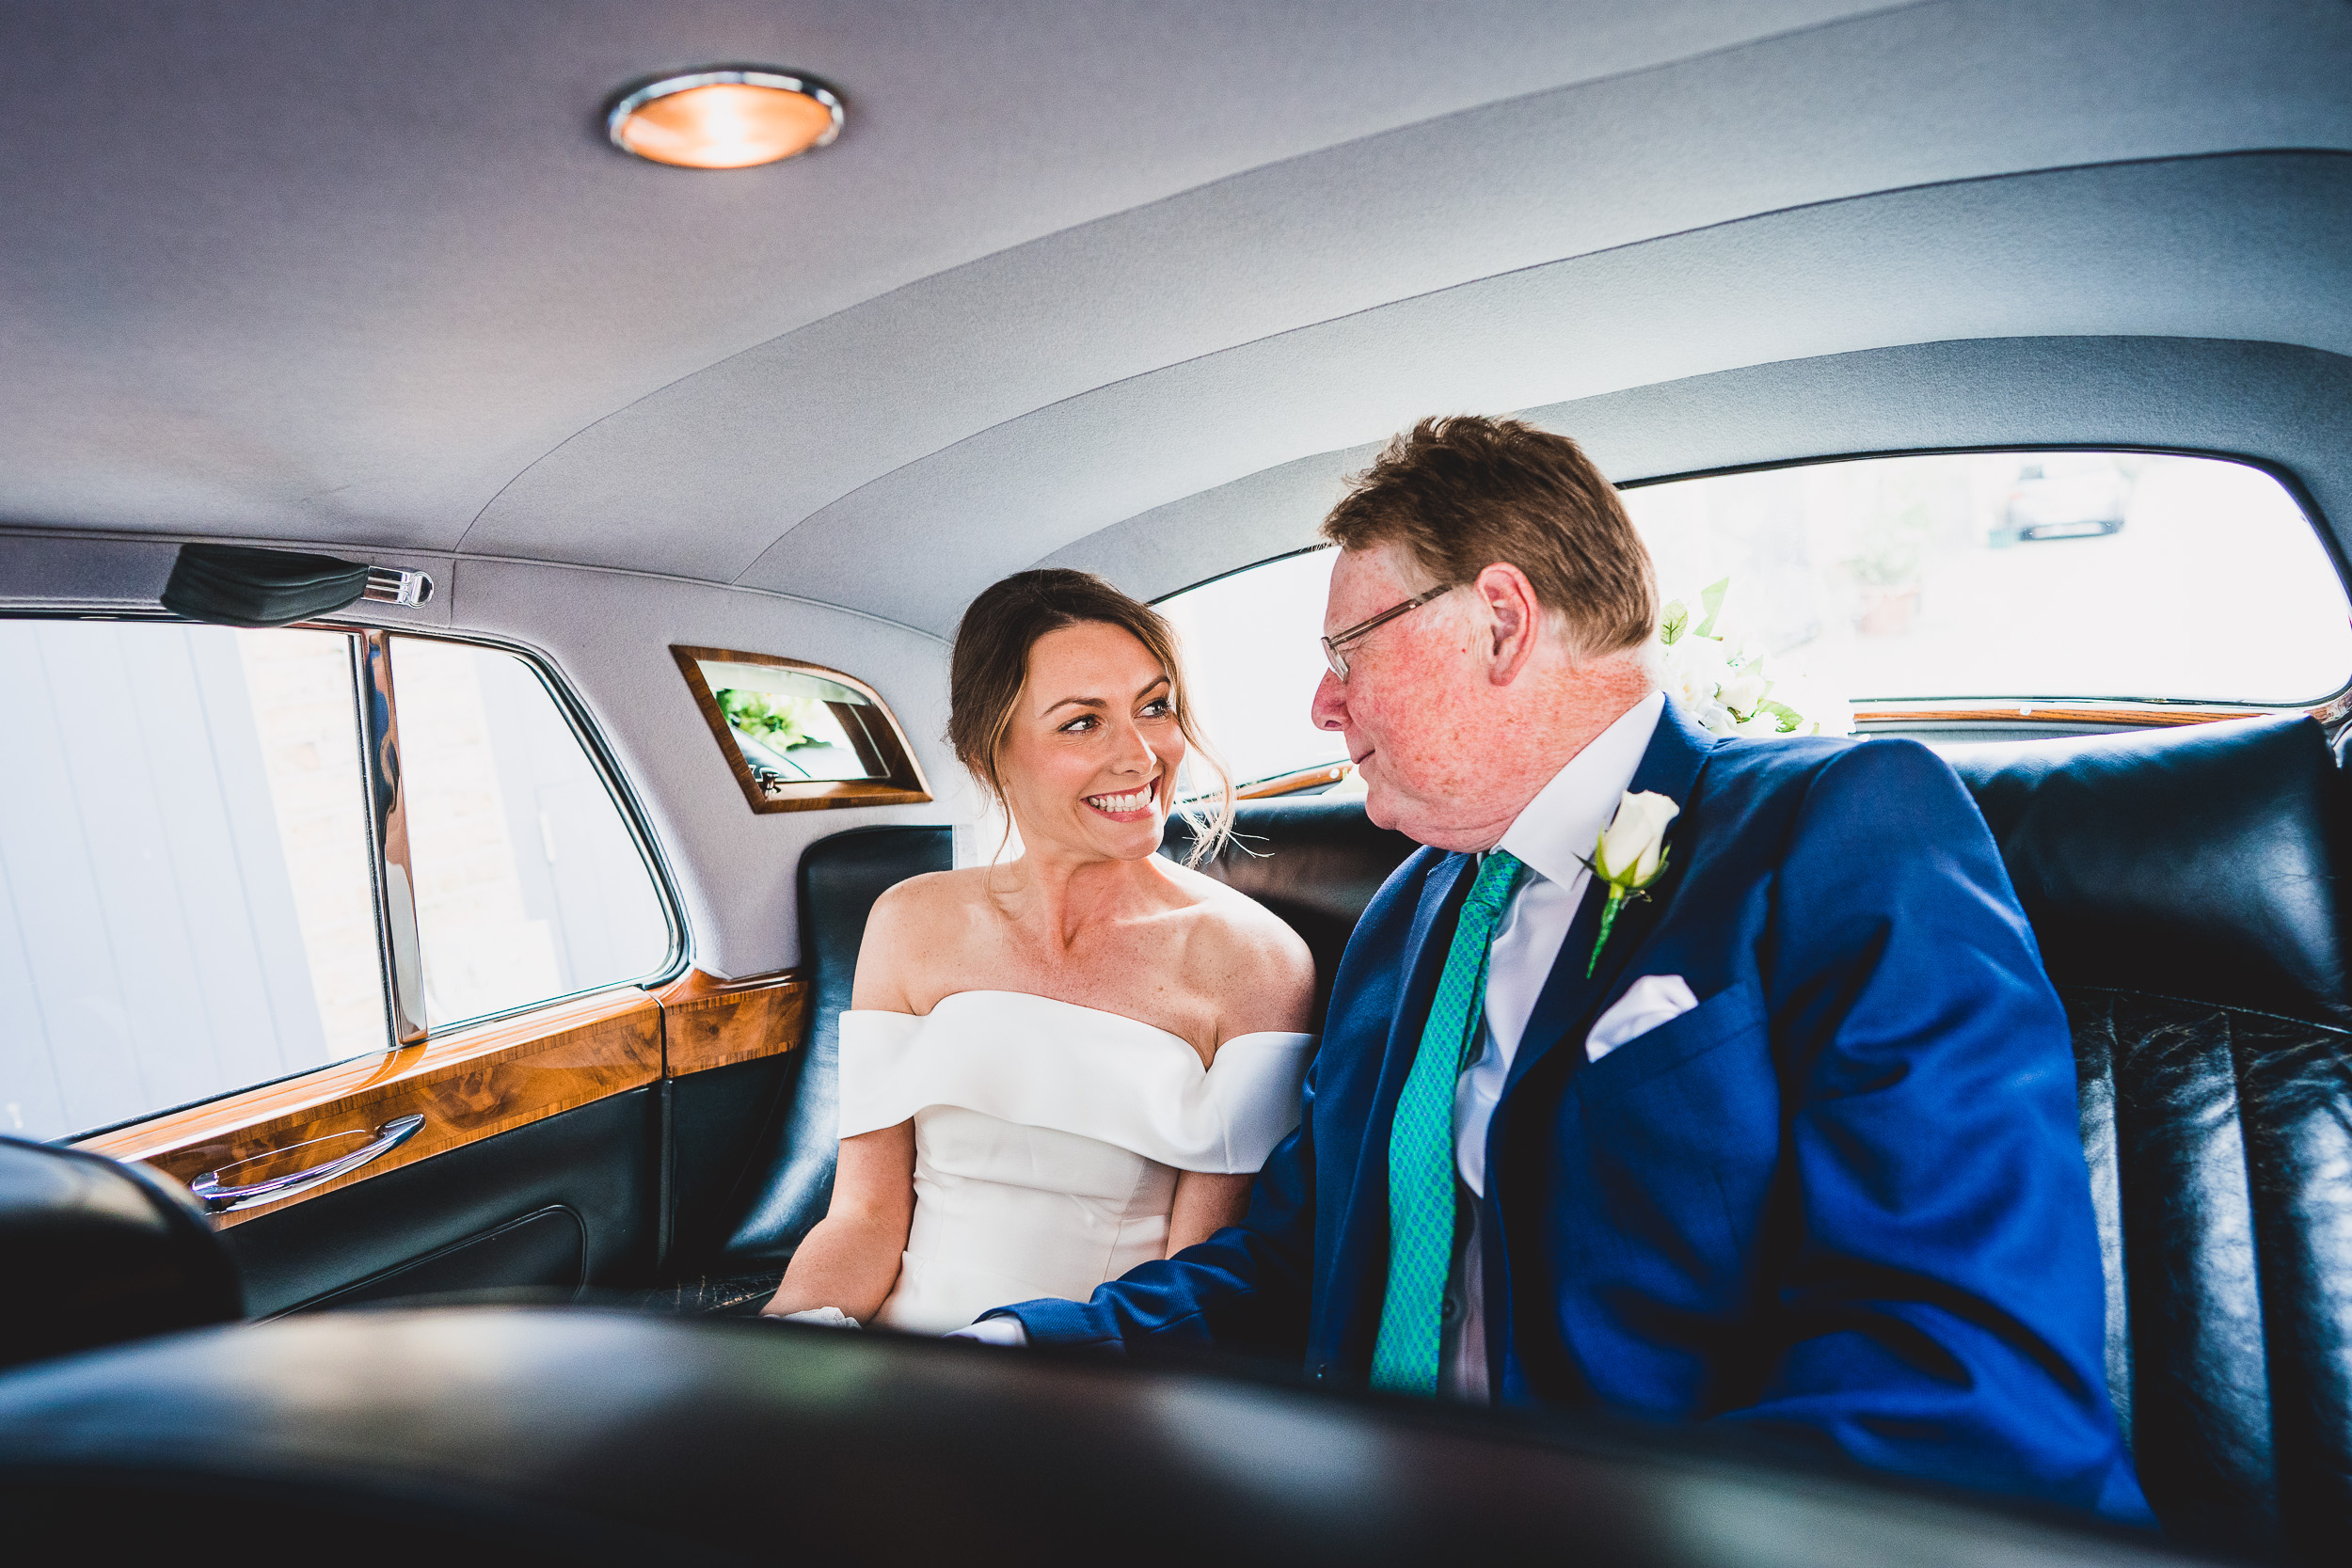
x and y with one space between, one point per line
1421 1145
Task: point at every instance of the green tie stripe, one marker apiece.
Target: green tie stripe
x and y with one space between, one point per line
1421 1145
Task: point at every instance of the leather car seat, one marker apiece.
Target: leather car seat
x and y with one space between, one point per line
517 1438
2184 888
789 1181
100 1252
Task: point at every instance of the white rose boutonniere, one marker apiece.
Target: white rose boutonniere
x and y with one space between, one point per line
1631 855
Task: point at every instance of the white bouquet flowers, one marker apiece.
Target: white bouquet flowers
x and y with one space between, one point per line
1723 686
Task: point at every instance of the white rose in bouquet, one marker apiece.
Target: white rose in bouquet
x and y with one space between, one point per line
1695 672
1723 687
1744 687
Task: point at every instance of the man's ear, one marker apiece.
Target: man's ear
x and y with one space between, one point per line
1516 620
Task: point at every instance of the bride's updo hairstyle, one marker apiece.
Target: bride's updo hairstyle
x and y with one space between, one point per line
991 664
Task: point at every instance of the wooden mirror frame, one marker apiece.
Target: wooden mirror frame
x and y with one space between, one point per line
874 730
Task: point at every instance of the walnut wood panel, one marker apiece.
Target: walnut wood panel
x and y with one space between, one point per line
469 1085
1290 784
708 1022
2056 713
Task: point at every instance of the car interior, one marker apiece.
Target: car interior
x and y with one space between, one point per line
476 589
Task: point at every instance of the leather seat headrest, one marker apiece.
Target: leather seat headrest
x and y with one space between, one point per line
99 1251
2197 862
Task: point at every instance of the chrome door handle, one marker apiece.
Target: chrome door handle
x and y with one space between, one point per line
218 1198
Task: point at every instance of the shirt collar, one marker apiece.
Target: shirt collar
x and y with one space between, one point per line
1556 832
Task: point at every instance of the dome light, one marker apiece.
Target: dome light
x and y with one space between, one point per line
730 118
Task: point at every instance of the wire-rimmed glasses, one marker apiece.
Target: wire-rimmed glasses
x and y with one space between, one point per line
1332 644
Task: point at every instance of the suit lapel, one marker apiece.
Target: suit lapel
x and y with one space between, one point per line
1677 751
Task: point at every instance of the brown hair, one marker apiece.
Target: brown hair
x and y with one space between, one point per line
1463 493
990 665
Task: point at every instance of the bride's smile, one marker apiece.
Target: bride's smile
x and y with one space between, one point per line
1126 808
1092 748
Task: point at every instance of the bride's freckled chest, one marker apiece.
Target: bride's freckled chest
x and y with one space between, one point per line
1134 967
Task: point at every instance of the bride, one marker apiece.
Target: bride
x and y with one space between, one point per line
1059 1067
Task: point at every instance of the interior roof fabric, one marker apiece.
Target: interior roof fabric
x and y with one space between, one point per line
364 274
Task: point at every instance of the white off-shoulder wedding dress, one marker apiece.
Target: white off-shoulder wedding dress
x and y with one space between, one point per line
1048 1137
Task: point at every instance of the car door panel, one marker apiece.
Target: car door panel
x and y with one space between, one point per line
735 1063
546 1250
451 1223
468 1085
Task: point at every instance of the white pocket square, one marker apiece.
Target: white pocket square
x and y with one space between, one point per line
1650 1001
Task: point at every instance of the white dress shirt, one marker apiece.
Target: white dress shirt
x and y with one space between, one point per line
1553 837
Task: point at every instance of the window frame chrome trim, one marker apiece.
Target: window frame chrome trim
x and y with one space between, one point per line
633 817
397 938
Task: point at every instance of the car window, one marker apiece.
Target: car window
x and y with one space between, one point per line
529 884
185 896
1935 577
2078 575
1251 661
800 736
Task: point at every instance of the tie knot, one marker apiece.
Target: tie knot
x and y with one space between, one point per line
1498 876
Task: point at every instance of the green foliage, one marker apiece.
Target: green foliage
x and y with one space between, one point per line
1674 621
780 722
1891 549
1711 600
1790 717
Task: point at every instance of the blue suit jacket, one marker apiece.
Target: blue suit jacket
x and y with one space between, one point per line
1844 1198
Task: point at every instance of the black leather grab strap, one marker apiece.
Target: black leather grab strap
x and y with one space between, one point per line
233 586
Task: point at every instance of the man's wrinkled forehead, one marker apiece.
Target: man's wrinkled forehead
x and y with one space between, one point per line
1365 582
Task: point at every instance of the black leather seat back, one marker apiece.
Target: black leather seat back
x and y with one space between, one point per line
2182 884
98 1252
2219 1142
2200 860
1313 859
840 878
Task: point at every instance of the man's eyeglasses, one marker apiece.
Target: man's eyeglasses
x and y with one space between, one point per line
1332 644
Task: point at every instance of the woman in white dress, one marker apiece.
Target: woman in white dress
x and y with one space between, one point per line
1059 1067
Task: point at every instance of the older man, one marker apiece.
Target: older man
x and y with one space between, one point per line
1789 1146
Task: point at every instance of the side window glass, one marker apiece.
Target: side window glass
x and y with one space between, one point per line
529 884
185 897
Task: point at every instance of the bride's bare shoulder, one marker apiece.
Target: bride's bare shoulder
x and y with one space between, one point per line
1242 950
925 905
916 931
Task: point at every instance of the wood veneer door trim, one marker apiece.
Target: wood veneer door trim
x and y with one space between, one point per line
1868 718
1290 784
467 1084
708 1022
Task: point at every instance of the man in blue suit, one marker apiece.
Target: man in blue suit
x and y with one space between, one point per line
1792 1149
